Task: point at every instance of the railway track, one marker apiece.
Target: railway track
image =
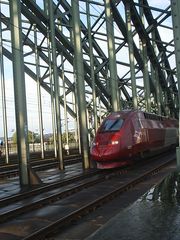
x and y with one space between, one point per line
13 158
9 170
47 187
63 189
77 198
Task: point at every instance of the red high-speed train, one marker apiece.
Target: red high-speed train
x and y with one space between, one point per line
127 135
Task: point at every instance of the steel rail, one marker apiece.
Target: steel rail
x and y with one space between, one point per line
6 215
91 206
21 196
12 169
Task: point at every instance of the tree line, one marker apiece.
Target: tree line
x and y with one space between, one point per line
35 137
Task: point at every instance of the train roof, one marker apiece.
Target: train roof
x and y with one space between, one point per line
146 115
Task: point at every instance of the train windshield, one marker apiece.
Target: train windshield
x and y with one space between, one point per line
111 125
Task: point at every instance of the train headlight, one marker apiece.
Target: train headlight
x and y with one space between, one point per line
95 144
114 142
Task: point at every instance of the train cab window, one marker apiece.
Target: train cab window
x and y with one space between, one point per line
111 125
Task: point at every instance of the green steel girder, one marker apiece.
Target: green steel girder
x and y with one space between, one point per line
66 6
122 26
45 59
151 54
36 15
60 46
33 76
159 43
43 84
32 6
42 17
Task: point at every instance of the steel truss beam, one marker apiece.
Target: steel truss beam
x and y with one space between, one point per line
160 71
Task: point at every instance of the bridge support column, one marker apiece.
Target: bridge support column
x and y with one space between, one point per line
147 92
55 82
19 92
79 74
92 67
3 96
115 98
40 115
175 6
27 176
131 55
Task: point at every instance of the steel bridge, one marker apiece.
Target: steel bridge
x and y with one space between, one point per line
91 57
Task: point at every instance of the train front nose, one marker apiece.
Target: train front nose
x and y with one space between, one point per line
97 153
105 152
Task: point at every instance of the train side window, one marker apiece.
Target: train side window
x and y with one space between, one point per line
111 125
